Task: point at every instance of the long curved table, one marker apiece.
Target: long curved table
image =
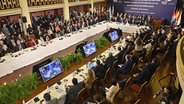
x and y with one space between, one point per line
59 92
28 57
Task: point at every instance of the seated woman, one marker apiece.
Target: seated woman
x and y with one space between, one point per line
138 44
41 41
166 95
5 50
88 79
31 42
112 91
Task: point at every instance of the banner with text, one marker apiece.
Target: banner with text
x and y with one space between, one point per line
155 8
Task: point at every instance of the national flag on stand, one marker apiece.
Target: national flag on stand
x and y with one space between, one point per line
176 18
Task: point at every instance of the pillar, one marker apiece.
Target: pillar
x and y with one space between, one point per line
66 10
25 12
92 6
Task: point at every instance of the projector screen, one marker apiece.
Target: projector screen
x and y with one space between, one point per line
51 70
89 49
113 36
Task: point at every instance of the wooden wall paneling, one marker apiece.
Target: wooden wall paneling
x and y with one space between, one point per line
38 13
50 12
14 17
59 11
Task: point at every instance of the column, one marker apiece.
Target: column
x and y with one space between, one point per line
92 6
66 10
25 12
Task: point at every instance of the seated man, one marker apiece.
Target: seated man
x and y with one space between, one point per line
126 68
120 55
152 66
142 76
99 70
109 61
73 90
48 99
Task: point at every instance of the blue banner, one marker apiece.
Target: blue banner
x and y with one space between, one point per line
155 8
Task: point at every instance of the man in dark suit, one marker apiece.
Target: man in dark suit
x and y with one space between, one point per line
12 30
143 76
120 55
48 99
5 31
99 70
152 66
126 68
19 46
73 90
109 61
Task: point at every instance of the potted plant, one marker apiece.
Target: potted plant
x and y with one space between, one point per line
78 56
65 62
98 44
104 41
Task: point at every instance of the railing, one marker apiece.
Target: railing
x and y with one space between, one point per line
182 51
9 4
43 2
180 62
76 0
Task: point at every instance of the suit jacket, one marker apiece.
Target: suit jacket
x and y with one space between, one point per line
143 76
127 67
99 71
52 101
109 61
4 52
120 57
152 67
72 92
5 31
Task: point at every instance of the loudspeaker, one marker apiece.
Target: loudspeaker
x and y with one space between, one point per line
89 5
24 19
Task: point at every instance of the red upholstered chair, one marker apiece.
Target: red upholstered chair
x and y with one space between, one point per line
136 88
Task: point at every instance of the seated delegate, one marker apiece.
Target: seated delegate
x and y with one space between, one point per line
48 99
72 91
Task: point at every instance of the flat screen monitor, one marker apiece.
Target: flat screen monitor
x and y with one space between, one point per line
89 49
91 65
113 35
51 70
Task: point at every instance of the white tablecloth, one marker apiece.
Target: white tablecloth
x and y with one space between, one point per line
57 45
60 93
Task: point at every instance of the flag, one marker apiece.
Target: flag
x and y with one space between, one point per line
176 18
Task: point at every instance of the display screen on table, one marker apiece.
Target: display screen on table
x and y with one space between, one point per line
113 36
51 70
91 65
89 49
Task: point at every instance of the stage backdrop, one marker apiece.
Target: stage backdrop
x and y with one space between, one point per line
155 8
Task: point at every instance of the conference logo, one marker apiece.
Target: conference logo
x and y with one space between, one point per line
165 2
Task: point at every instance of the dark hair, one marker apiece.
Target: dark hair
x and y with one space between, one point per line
128 57
119 48
98 62
113 81
47 96
97 98
138 41
140 66
74 81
